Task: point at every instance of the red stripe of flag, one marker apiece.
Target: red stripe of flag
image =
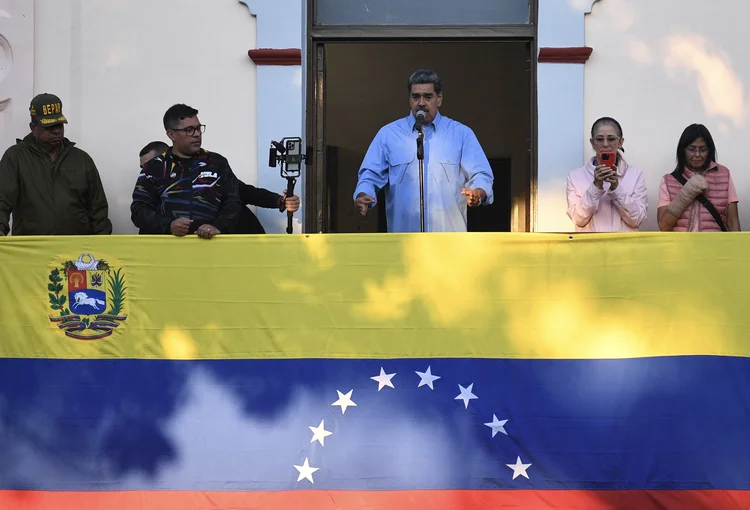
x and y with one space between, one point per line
378 500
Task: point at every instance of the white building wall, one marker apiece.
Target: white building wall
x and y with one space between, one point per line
16 67
659 66
118 66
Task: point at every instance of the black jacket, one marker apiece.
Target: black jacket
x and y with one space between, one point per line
247 222
202 188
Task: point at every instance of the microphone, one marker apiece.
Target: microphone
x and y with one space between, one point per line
279 147
420 120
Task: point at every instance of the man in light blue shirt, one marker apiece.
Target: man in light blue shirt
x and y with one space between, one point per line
456 171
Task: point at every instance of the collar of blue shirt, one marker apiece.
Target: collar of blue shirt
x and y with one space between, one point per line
435 123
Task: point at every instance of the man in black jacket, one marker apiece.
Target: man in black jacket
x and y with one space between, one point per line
247 222
188 190
250 195
151 150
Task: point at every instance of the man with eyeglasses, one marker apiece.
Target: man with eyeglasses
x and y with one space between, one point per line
50 186
247 221
189 190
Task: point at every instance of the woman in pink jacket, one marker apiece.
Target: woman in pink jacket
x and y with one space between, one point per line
604 199
699 195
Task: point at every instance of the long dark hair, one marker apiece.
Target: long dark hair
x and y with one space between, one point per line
691 134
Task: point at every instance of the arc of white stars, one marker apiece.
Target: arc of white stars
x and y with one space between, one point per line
384 379
497 425
306 471
466 395
344 401
519 468
426 378
320 433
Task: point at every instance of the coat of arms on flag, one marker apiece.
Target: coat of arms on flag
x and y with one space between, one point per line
87 297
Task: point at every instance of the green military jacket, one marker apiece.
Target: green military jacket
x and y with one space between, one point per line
64 197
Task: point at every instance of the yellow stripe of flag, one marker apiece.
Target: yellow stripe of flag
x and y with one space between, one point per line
385 296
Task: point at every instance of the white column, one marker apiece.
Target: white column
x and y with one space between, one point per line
280 106
16 69
560 90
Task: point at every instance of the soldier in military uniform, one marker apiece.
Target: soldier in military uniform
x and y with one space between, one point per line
50 186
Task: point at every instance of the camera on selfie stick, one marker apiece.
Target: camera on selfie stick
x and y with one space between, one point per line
288 154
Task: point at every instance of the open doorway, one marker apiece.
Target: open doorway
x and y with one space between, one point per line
486 85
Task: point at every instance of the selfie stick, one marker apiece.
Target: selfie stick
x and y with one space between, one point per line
288 154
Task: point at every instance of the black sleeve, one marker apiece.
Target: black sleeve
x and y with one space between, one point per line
250 195
230 207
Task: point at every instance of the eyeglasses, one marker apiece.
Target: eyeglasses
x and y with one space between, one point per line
190 130
698 150
599 140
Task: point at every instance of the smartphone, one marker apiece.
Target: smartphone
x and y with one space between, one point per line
293 155
608 158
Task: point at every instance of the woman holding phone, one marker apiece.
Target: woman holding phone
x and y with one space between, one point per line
607 194
699 195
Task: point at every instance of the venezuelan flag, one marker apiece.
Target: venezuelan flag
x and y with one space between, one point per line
471 371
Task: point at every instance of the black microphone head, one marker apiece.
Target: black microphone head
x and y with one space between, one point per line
420 116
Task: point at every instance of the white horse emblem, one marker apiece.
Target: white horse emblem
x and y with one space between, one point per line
83 299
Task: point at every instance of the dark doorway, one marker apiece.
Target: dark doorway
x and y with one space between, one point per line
485 86
496 216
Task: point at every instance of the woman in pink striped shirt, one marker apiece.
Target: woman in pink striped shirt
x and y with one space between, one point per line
604 199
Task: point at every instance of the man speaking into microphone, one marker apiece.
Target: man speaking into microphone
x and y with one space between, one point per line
456 171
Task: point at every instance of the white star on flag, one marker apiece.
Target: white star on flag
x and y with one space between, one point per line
426 378
383 379
497 425
519 469
344 401
466 395
306 471
320 433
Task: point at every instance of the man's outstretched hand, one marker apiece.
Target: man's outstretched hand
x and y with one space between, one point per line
474 197
363 202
